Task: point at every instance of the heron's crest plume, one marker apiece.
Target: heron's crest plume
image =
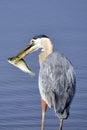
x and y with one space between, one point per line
40 36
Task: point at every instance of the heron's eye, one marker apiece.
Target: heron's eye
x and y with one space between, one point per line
32 41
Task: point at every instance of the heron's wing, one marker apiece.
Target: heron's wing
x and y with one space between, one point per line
57 81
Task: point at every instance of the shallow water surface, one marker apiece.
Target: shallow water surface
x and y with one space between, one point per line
20 105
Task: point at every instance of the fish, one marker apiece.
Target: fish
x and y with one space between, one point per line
21 64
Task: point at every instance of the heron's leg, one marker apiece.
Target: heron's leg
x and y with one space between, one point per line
61 124
44 107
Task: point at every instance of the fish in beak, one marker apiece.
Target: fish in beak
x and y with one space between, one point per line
18 60
21 64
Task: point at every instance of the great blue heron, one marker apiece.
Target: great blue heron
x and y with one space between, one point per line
56 78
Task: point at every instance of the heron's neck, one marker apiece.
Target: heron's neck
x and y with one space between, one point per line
47 49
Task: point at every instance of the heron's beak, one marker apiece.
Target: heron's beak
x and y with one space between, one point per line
29 49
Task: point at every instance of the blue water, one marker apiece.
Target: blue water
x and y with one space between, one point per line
65 23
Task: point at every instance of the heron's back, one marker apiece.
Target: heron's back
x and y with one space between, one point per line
57 83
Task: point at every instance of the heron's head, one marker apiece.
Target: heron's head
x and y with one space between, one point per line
38 42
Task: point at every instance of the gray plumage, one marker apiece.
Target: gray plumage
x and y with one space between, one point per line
57 83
